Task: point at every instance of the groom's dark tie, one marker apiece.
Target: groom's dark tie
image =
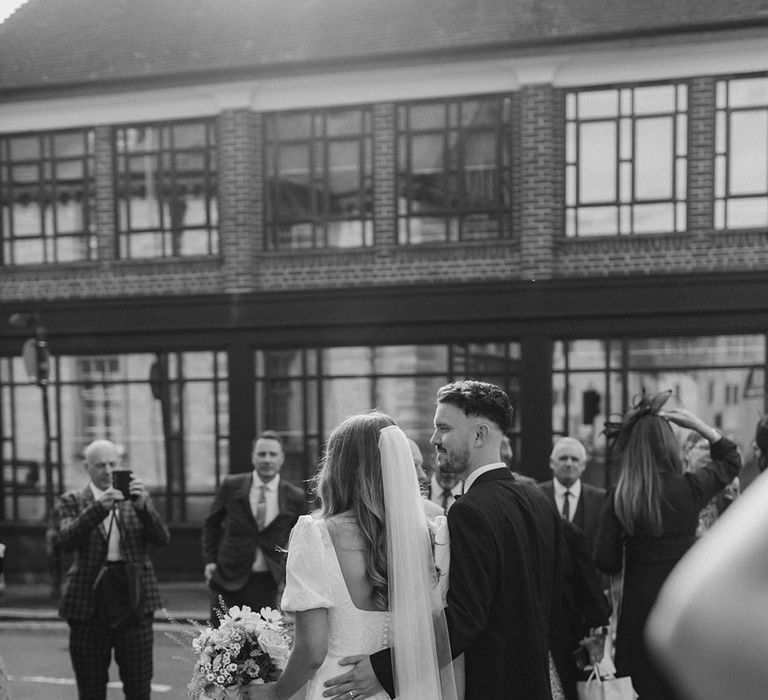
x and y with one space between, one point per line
446 497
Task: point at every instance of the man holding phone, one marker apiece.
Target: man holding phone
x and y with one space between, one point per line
113 523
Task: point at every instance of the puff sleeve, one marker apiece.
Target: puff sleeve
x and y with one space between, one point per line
306 576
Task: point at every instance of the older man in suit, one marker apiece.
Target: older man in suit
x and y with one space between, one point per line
100 525
247 529
576 501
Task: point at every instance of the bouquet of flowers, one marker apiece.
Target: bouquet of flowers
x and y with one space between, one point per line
247 647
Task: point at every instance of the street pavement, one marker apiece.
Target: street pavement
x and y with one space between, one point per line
33 643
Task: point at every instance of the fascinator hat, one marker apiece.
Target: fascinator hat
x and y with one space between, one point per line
617 432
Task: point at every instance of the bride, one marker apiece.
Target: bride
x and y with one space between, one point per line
360 572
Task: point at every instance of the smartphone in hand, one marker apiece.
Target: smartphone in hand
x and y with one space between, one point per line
121 480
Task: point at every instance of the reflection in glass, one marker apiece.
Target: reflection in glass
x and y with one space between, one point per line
166 190
701 351
319 179
453 170
721 378
48 197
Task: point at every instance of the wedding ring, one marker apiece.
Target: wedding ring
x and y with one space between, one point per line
350 694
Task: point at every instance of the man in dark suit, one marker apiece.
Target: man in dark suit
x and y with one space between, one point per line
247 529
505 573
84 528
578 502
585 607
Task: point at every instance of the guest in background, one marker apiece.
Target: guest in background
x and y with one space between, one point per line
578 502
708 626
100 525
444 488
649 520
247 529
696 455
431 509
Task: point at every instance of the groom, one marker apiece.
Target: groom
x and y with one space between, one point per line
505 560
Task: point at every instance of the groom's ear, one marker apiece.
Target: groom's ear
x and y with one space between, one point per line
481 433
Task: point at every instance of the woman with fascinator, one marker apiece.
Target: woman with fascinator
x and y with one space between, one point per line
649 520
360 573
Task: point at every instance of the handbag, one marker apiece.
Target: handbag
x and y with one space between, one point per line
597 688
118 594
602 684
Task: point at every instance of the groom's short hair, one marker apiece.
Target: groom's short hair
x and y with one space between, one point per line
479 399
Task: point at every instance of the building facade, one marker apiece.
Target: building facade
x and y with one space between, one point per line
224 217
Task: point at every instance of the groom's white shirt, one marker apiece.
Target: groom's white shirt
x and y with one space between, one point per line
481 470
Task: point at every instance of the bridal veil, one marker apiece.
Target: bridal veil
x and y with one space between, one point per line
421 653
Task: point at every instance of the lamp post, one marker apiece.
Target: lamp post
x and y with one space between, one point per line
37 363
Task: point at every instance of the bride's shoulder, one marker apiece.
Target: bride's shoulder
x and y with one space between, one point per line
344 531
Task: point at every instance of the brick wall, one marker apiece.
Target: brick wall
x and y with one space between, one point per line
535 249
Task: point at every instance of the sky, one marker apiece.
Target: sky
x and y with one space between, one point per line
8 6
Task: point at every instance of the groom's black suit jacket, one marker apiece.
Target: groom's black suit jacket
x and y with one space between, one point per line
504 592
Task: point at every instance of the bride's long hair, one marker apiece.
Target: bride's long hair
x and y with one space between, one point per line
349 480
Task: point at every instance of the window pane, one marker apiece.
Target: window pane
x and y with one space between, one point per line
313 178
748 92
165 185
653 158
410 359
598 104
653 218
347 361
597 162
596 221
748 153
654 99
452 160
749 212
628 159
702 351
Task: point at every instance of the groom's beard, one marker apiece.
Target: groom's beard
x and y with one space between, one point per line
455 462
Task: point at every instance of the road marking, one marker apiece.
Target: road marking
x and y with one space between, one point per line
156 687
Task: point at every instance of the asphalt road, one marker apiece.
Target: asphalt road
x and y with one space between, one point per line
37 660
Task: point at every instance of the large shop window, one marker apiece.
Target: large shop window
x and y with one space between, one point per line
166 190
319 179
304 394
47 197
741 153
626 160
454 178
168 414
720 378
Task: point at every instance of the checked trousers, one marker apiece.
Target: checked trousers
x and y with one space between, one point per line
90 647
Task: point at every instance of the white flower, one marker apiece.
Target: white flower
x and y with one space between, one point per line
276 645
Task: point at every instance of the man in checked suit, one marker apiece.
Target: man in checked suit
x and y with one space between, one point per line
247 529
84 518
584 502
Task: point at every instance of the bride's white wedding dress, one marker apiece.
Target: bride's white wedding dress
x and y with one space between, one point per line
314 580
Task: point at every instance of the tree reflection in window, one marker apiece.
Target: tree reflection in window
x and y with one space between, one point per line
626 160
319 179
166 190
741 153
47 196
453 170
